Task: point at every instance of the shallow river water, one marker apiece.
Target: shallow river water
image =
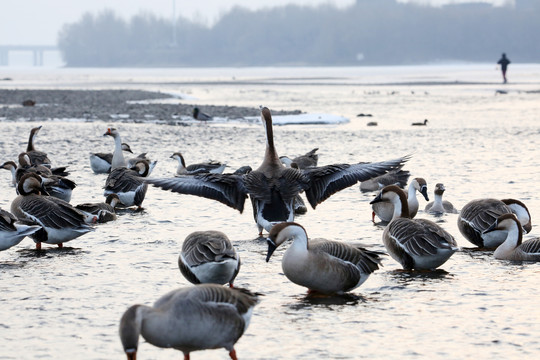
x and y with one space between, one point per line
67 303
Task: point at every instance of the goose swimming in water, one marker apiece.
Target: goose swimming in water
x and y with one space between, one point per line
208 257
478 215
440 206
321 265
397 177
513 248
36 157
11 231
105 211
59 220
199 317
214 167
309 159
414 243
385 210
273 187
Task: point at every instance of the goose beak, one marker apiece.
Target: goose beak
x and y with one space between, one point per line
271 248
377 199
424 192
108 132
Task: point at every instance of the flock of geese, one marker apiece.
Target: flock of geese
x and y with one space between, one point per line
209 315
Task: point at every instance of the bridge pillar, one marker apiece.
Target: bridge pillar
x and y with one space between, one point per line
4 57
38 57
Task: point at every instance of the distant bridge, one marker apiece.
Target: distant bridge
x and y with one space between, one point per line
37 52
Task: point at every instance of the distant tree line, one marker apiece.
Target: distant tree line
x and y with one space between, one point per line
370 32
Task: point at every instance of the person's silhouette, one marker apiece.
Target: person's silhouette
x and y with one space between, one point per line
504 65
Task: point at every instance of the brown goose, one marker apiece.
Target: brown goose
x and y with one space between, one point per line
273 187
513 248
415 243
385 210
208 257
321 265
59 220
36 157
11 231
200 317
478 215
440 206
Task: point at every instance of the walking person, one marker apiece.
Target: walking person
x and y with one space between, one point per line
504 65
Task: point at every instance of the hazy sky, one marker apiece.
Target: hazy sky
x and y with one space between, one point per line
37 22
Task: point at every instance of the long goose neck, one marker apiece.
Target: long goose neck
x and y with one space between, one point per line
438 199
30 146
513 239
299 238
270 155
130 327
118 156
401 207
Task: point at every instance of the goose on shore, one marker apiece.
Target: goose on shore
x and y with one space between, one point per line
105 211
273 187
199 115
209 257
478 215
417 244
513 248
36 157
397 177
11 231
100 163
212 166
122 181
321 265
423 123
438 205
385 210
199 317
60 222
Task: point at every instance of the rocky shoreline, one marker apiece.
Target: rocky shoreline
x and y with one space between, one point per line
106 105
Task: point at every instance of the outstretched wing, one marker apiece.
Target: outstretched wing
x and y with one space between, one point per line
225 188
329 179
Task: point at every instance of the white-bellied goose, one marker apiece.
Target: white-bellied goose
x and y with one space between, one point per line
397 177
309 159
36 157
417 244
105 211
208 257
273 187
438 205
385 210
212 166
201 116
59 220
101 162
478 215
12 232
199 317
513 248
321 265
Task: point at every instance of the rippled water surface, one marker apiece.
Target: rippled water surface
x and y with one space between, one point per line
66 303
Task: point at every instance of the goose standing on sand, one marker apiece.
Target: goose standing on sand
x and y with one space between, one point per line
36 157
12 232
439 206
397 177
59 220
101 162
212 166
126 183
417 244
105 211
478 215
385 210
513 248
208 257
273 187
200 317
321 265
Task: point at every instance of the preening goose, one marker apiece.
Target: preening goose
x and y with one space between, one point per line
385 210
101 162
214 167
415 243
36 157
321 265
273 187
12 232
199 317
438 205
208 257
478 215
513 248
60 222
105 211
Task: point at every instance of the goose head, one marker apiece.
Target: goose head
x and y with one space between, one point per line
24 160
125 147
113 200
395 195
179 157
509 223
112 132
130 328
522 213
142 167
9 165
31 183
282 232
439 189
420 184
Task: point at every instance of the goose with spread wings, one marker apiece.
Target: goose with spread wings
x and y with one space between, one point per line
272 187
